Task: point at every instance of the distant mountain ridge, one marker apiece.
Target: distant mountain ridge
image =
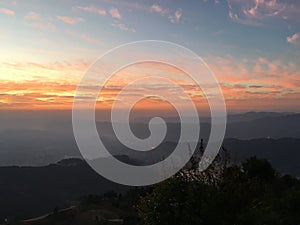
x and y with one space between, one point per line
48 144
248 116
273 127
242 126
231 118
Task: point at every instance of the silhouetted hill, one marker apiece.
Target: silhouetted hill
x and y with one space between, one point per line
32 191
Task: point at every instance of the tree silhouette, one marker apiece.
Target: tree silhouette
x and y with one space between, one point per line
250 194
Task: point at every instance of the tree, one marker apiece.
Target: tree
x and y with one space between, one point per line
250 194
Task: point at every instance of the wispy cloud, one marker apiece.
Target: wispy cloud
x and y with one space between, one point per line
242 88
84 37
247 81
173 17
259 12
263 8
32 16
157 8
92 9
235 18
176 17
294 39
238 19
122 26
35 94
114 12
68 71
70 20
33 19
7 11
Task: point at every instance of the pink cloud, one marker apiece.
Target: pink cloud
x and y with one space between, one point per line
177 16
122 26
173 17
7 11
32 16
259 12
43 26
266 77
84 37
92 9
237 19
263 8
35 20
70 20
156 8
294 39
114 12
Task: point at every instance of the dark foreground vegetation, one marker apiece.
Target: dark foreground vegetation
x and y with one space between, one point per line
250 194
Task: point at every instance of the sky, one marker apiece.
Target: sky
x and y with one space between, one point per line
252 47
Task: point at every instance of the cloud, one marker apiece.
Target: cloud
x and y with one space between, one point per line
84 37
177 16
32 16
36 21
92 9
243 77
68 72
259 12
156 8
42 26
122 26
294 39
273 81
264 8
236 18
70 20
7 11
114 12
173 17
35 94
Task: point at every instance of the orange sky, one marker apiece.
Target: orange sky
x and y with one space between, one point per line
30 86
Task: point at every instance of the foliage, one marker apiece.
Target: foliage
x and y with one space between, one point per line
250 194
